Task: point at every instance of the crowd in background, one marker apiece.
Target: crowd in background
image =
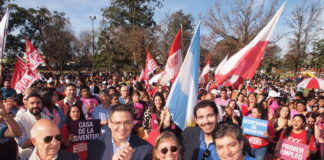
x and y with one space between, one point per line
292 113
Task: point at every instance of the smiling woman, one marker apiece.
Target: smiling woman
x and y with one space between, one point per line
167 146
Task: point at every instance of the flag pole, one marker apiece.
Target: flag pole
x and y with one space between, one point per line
181 29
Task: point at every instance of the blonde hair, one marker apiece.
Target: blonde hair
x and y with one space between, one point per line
163 136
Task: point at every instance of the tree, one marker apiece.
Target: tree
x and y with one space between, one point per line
131 13
29 23
127 32
233 24
305 23
169 27
317 56
58 41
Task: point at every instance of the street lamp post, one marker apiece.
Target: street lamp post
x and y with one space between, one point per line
93 36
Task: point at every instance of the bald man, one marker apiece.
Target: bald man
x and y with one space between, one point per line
46 138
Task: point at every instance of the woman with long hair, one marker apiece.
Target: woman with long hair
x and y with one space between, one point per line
259 145
152 116
138 110
49 99
280 122
73 114
298 134
157 118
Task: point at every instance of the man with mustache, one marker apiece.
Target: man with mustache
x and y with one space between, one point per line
198 141
26 119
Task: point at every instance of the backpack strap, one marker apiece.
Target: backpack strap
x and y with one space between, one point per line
308 137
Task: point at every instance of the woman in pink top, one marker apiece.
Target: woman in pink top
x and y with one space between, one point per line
49 99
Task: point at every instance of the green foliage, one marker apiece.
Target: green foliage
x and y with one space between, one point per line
128 31
131 13
317 60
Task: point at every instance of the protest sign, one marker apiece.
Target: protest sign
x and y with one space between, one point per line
292 150
255 127
85 130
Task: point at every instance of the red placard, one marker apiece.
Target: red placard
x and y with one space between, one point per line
291 150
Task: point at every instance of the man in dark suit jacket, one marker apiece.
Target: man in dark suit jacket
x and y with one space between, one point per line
119 143
198 142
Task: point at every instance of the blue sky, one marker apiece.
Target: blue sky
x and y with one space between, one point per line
79 11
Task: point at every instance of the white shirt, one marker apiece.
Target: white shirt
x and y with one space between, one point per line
34 155
26 121
116 148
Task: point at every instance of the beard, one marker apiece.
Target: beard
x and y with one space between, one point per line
35 111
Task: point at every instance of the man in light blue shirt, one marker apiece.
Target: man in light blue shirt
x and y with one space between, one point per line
102 111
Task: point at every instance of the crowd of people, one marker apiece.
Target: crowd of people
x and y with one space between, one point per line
136 124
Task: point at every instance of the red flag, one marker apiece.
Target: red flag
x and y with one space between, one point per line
20 69
235 81
205 73
150 66
245 62
174 61
28 78
34 59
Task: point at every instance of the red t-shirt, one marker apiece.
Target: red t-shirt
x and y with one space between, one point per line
301 138
258 142
80 148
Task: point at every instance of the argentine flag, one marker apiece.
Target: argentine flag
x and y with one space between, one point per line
184 91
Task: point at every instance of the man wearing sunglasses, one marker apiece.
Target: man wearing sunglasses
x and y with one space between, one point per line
46 138
120 144
198 141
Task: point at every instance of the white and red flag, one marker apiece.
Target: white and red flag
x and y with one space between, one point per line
150 66
205 73
174 61
20 69
220 66
141 76
3 32
23 76
245 62
27 80
34 59
235 81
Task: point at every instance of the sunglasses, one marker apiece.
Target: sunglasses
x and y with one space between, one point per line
206 154
49 139
172 149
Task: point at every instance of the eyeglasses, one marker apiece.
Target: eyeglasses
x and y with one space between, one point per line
49 139
119 123
206 154
172 149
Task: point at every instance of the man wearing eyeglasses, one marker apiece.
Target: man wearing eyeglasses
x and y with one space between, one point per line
119 144
46 138
198 141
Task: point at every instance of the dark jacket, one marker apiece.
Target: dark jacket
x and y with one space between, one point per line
190 138
102 148
64 155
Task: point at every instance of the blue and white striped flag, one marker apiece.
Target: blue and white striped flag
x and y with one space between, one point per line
184 91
